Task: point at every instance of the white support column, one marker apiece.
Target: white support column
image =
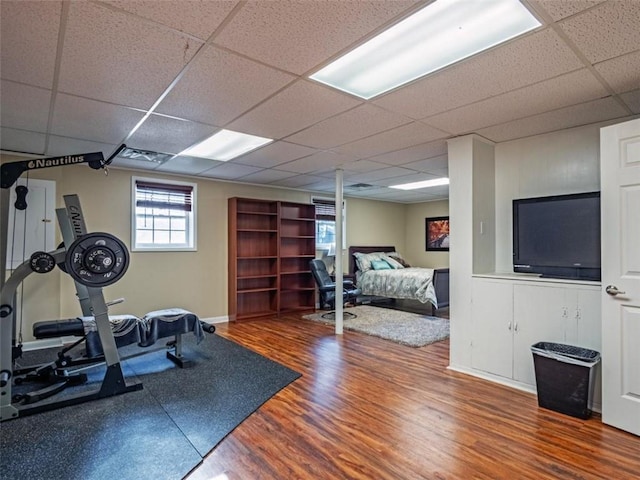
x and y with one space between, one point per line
339 314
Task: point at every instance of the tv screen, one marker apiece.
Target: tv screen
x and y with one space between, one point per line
558 236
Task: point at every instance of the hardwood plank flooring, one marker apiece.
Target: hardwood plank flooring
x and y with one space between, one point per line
367 408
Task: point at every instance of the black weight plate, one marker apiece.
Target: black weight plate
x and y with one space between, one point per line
97 259
42 262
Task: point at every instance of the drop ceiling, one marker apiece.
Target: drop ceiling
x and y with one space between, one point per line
80 77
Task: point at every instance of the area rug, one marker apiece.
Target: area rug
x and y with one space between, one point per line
406 328
160 432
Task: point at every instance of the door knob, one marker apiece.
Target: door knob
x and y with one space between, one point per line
613 290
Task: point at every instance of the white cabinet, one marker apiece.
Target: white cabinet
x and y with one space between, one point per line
492 338
509 316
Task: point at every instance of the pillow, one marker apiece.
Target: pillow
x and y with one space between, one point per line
364 259
393 263
398 258
380 265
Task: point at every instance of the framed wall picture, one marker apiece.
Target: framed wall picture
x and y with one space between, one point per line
437 234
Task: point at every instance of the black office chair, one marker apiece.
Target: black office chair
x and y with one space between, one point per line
327 288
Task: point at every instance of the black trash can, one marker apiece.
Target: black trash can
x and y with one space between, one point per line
564 377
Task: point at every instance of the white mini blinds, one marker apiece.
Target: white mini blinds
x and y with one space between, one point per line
325 209
161 195
164 215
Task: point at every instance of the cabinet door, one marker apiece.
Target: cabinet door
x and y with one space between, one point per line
492 312
540 315
589 318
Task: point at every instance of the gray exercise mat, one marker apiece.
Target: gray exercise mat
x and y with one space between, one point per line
160 432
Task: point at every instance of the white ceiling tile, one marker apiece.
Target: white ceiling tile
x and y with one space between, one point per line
297 181
267 176
296 107
188 165
583 114
559 9
128 53
399 138
522 62
381 174
219 86
325 187
320 161
29 38
22 141
362 166
362 121
142 60
419 152
430 165
622 73
297 35
168 135
58 146
196 17
275 153
24 107
606 31
573 88
92 120
413 177
230 171
632 100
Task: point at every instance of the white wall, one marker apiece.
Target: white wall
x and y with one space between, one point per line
562 162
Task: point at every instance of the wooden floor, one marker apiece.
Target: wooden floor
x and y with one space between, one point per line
367 408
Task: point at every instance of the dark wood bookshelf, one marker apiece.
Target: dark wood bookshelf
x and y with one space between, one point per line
270 246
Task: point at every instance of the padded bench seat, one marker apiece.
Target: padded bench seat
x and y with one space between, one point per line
72 327
127 329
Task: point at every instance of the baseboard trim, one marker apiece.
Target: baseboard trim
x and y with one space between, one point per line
595 407
222 319
494 378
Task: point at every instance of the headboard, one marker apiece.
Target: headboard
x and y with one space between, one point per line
353 267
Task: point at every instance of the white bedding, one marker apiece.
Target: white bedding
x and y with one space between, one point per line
408 283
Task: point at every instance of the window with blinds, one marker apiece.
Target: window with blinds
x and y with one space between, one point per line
326 224
164 215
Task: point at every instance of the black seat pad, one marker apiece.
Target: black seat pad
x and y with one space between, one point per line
58 328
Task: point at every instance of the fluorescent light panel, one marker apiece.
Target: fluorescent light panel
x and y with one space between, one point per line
424 184
225 145
440 34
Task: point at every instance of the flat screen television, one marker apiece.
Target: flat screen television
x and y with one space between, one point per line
558 236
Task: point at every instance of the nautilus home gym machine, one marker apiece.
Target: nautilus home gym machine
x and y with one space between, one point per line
93 260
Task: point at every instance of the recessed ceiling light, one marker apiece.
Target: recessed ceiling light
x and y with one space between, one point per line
225 145
424 184
440 34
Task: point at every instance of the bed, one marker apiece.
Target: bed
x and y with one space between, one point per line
427 285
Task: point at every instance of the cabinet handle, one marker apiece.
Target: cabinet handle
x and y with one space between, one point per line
509 326
515 326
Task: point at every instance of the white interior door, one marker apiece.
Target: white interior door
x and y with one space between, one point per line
620 184
31 229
